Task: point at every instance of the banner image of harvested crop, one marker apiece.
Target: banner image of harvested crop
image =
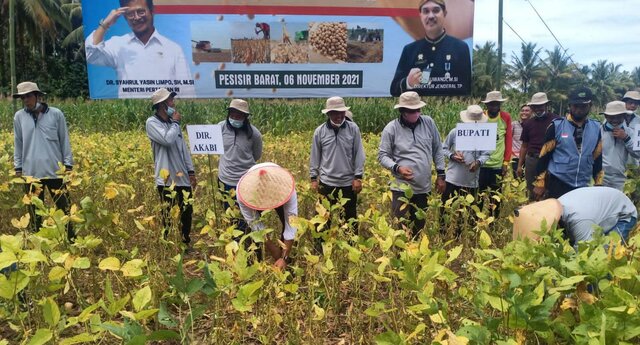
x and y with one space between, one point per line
277 48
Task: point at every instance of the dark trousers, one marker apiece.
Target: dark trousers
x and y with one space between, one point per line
60 195
451 190
333 195
488 180
555 187
514 167
228 189
530 163
186 210
418 201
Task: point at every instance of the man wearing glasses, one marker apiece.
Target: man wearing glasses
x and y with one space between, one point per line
143 54
438 64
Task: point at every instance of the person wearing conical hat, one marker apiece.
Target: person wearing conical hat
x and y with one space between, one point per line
607 208
268 186
172 157
463 168
336 165
408 146
617 145
572 153
41 144
533 133
438 64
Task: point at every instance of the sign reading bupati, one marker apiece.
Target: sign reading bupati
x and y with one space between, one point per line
205 139
276 48
476 136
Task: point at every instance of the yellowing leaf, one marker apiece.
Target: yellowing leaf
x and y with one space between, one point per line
584 295
437 317
132 268
568 303
22 223
164 174
469 198
485 240
110 193
109 264
142 298
318 313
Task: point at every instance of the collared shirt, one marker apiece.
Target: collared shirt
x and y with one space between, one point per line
241 152
458 173
615 155
135 62
634 124
337 154
41 143
502 154
170 152
415 148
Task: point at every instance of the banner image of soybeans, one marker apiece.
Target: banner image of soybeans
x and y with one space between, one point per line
289 42
328 42
250 51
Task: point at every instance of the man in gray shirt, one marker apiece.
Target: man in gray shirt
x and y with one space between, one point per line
173 166
41 144
337 157
580 212
407 147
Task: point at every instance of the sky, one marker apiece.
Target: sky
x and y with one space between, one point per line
591 30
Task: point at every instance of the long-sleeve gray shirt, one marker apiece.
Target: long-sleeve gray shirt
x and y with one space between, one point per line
414 148
337 155
170 152
240 153
634 125
41 143
458 173
587 207
616 154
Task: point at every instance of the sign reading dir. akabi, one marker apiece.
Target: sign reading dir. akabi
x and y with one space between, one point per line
205 139
476 136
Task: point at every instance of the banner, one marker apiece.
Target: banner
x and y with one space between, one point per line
277 48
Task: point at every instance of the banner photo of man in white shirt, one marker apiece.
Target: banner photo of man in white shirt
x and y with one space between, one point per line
144 60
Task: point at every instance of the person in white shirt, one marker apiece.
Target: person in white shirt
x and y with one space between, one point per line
140 56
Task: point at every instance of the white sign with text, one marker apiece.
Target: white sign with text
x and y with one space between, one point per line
636 138
205 139
476 136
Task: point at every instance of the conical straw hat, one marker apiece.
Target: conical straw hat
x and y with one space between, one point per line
528 219
265 186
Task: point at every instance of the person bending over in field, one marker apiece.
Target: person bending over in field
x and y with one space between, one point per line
41 141
268 186
175 175
408 146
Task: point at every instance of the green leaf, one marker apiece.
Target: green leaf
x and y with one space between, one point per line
132 268
163 334
142 298
16 282
110 264
165 318
484 240
51 312
41 337
82 263
78 339
246 296
388 338
572 280
31 256
454 253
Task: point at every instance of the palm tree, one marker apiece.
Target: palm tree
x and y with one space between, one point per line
485 69
527 67
559 77
635 76
74 41
606 78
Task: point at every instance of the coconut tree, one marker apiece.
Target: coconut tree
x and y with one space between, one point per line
485 69
526 67
605 79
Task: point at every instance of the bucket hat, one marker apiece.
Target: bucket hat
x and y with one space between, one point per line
27 87
473 114
615 108
539 98
160 96
240 105
632 96
265 186
528 219
409 100
494 96
335 104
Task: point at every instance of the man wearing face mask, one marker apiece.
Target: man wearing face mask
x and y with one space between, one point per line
171 154
533 132
142 54
337 157
41 143
617 146
572 153
631 100
407 147
242 149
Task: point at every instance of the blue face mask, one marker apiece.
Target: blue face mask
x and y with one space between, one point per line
610 127
170 111
236 123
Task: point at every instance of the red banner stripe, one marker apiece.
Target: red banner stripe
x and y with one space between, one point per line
300 10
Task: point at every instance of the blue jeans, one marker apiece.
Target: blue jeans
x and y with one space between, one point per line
623 228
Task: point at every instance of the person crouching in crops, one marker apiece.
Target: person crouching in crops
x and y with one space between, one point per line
175 175
464 166
242 149
580 212
268 186
617 146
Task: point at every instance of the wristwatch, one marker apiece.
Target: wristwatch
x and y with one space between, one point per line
103 25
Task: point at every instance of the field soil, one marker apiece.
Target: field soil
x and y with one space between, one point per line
364 52
223 56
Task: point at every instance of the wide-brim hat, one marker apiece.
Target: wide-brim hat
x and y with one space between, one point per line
409 100
439 2
160 96
615 108
265 186
494 96
539 98
335 104
27 87
631 95
349 114
240 105
528 219
473 114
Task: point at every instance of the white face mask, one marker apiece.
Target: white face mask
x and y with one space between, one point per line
338 124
